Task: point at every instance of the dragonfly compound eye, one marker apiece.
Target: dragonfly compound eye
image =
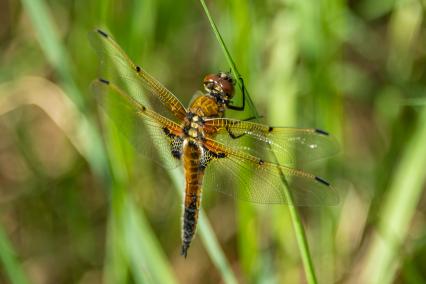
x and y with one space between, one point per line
210 82
227 87
221 83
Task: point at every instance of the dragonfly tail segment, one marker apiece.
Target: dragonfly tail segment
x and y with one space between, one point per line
194 173
190 215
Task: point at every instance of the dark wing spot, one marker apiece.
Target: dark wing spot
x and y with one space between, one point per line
322 181
175 144
176 154
166 130
208 156
143 108
103 81
270 128
321 132
102 33
261 162
217 155
169 133
138 69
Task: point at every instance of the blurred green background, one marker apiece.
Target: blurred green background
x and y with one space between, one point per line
79 206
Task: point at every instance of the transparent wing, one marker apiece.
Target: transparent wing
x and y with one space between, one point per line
134 77
288 146
249 178
152 135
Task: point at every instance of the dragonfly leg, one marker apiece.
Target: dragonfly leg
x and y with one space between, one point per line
243 92
234 136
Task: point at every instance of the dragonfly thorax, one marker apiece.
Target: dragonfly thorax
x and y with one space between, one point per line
206 106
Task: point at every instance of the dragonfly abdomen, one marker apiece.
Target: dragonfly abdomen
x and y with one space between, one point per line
192 154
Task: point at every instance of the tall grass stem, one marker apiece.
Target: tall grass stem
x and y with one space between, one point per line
297 223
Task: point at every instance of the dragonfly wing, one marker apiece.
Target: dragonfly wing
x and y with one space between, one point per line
134 77
288 146
152 135
250 178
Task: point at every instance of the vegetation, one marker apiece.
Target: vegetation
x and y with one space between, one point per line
79 205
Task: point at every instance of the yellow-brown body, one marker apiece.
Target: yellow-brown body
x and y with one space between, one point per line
192 159
194 172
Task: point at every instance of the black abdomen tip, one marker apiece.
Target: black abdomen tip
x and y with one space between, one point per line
322 181
102 33
184 250
321 132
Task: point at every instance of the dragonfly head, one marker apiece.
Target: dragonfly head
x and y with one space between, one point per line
220 85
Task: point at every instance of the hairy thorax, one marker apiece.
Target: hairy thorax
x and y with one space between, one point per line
207 106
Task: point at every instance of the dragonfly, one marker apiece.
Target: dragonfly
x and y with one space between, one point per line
246 160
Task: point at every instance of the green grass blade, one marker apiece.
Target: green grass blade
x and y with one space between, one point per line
214 250
297 224
55 53
134 244
52 46
133 233
147 260
228 57
11 265
404 193
408 177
